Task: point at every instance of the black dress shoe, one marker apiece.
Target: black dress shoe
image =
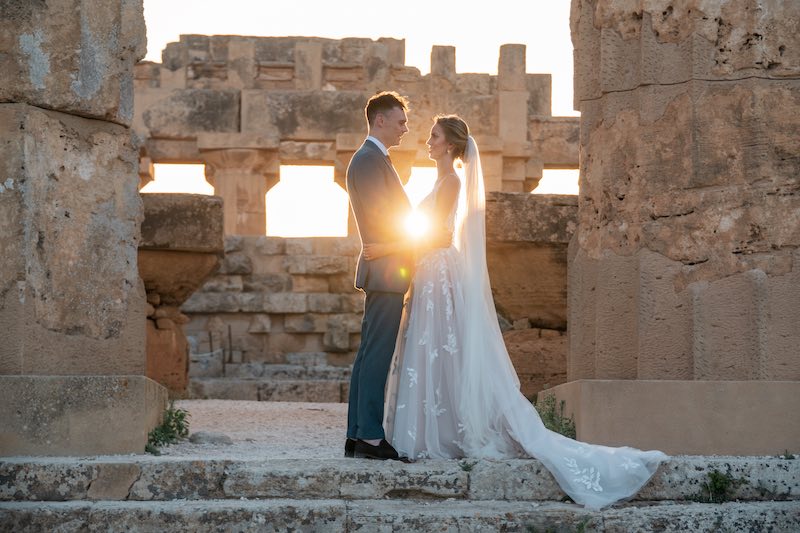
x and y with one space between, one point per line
349 447
383 451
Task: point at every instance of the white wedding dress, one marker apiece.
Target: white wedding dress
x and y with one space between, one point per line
452 390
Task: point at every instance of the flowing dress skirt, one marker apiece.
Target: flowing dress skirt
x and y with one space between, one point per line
425 415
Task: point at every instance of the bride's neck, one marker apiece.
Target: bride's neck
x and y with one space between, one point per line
444 168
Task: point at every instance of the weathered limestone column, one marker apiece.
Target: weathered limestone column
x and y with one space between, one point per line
242 168
512 93
684 277
72 310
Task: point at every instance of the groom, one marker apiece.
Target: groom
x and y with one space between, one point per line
380 207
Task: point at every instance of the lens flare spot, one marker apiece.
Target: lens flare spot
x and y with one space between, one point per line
417 224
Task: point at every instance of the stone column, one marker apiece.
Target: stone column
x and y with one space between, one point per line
684 276
242 168
512 93
72 310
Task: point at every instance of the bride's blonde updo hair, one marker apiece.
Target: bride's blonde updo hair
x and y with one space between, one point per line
456 131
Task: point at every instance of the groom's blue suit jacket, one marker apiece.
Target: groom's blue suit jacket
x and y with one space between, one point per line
380 207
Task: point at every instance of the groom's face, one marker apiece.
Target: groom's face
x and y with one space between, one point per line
394 126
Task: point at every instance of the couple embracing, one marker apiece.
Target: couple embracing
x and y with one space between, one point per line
430 328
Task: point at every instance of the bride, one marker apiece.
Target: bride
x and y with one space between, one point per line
452 389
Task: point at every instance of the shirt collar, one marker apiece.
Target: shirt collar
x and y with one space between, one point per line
378 144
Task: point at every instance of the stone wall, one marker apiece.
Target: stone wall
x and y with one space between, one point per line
72 360
277 301
684 286
685 264
243 106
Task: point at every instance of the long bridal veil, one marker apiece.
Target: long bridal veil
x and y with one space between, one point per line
494 419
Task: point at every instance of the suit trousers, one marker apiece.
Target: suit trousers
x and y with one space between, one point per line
382 313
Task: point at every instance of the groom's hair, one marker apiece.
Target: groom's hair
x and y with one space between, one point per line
384 102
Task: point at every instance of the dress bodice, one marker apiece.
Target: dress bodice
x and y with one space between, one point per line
428 206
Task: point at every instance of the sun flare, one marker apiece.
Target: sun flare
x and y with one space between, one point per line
417 224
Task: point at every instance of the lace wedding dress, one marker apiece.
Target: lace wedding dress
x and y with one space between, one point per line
452 390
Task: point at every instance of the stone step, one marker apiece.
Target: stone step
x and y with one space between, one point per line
383 515
270 389
150 478
287 371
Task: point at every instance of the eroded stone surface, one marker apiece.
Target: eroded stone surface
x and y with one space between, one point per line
75 58
70 302
689 205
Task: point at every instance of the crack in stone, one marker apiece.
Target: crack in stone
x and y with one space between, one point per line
620 91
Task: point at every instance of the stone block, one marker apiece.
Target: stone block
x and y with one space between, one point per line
326 303
336 337
270 245
69 189
539 357
443 61
314 264
174 275
260 324
277 282
205 365
167 355
685 417
236 263
78 415
234 243
228 388
555 141
323 391
182 222
539 87
512 480
224 283
316 153
95 78
113 481
619 48
299 246
286 302
178 114
210 302
540 296
305 283
306 323
235 140
512 115
534 218
186 480
511 70
302 115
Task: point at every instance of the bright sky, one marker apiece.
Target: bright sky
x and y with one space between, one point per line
542 25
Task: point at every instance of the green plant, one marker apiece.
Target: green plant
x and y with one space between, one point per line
466 466
718 488
553 418
174 426
788 456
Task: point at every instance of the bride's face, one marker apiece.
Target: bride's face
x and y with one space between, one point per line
437 144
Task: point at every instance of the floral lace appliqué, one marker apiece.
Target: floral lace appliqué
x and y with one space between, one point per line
588 477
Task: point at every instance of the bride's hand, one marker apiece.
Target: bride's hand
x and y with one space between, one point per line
376 250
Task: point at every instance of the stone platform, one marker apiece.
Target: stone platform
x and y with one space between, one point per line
284 470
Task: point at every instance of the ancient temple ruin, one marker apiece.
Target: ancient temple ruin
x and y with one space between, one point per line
281 319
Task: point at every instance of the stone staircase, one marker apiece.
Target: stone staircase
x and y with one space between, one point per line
304 377
145 493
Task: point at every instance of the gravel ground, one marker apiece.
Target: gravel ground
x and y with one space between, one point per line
285 430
